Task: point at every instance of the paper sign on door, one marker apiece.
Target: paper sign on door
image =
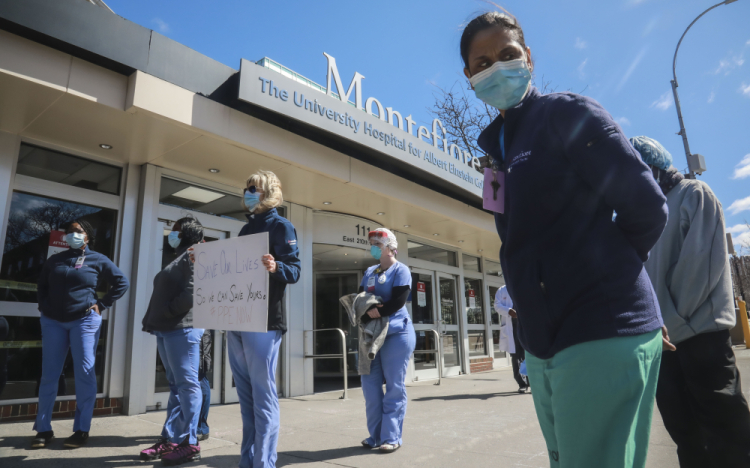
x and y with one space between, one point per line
421 295
472 299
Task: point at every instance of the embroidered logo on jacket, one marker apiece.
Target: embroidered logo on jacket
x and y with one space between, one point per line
521 157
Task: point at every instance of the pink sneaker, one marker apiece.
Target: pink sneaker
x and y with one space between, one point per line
157 450
181 454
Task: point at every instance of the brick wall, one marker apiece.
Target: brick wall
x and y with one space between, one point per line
62 409
482 364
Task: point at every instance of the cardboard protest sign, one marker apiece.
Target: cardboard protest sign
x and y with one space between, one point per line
231 284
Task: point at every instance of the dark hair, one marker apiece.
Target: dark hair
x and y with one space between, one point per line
87 228
485 21
191 230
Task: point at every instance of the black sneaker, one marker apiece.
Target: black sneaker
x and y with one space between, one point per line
523 389
77 440
42 439
202 436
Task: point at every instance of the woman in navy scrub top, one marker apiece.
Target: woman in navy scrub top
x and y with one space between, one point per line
391 280
71 320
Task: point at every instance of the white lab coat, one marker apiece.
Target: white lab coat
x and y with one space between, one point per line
503 303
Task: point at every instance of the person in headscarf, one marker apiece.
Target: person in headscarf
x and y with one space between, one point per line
699 394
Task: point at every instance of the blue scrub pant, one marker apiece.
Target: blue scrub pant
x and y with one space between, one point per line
253 357
180 353
385 413
81 337
205 405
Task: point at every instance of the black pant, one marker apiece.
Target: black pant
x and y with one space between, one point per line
518 357
701 402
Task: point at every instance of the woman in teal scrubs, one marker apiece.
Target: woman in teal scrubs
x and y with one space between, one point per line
589 319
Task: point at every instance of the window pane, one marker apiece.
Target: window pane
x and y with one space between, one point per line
493 268
35 233
474 301
471 263
421 298
496 344
200 199
495 316
477 345
447 303
21 361
432 254
69 170
451 357
425 341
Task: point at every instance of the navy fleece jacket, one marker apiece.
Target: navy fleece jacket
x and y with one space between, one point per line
66 293
282 238
574 273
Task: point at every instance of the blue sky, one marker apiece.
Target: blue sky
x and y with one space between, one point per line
616 51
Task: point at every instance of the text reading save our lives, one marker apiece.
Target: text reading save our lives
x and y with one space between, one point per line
230 284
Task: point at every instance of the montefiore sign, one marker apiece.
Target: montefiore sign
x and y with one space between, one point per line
369 123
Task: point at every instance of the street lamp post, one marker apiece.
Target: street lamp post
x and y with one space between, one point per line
696 162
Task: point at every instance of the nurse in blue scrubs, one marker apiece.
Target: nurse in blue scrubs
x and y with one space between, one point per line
391 280
253 356
71 319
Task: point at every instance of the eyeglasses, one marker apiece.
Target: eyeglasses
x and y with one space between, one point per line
251 189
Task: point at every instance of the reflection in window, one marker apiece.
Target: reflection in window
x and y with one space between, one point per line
470 263
477 345
431 254
495 316
35 233
474 301
191 197
447 302
493 268
21 361
65 169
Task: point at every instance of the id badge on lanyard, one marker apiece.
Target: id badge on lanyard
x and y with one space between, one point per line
371 284
79 262
493 190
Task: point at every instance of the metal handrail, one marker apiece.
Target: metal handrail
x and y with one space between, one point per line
438 354
343 356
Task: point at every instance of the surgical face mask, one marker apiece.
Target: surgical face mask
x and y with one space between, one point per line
376 252
251 200
174 239
504 84
75 239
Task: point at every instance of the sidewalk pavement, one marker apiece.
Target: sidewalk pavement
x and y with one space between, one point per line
468 421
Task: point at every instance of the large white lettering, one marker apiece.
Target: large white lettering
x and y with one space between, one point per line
356 84
392 116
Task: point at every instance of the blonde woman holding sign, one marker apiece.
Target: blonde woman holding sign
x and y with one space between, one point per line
252 355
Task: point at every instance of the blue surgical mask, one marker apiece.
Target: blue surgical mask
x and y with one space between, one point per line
504 84
375 252
75 239
174 239
251 200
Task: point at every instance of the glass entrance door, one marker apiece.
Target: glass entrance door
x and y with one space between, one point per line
448 325
433 307
328 313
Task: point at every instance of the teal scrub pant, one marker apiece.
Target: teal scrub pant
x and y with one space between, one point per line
595 401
